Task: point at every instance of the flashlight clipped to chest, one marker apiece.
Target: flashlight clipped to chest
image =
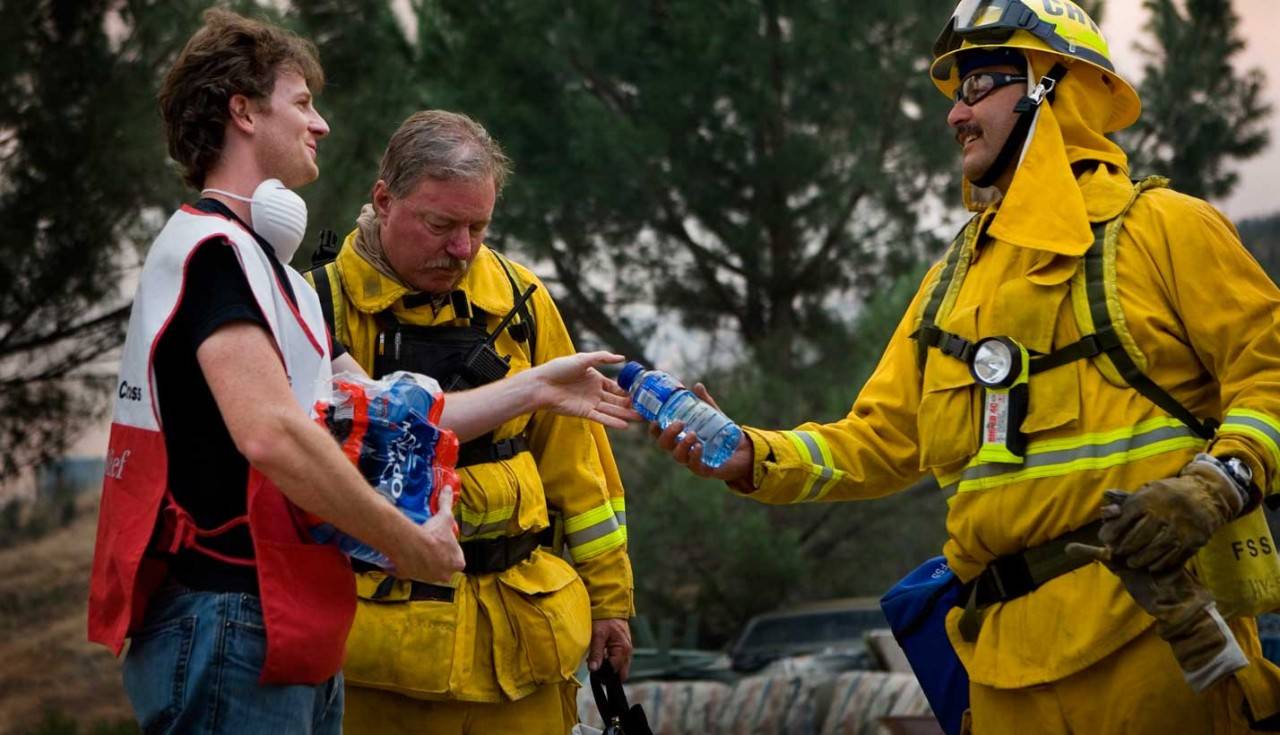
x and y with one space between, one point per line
1002 366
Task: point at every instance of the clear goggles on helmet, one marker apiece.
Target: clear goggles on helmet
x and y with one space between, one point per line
992 22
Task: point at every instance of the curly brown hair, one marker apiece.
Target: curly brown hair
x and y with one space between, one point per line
229 55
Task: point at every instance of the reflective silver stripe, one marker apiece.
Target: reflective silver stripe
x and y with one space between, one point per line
621 517
1066 457
819 485
466 529
825 473
815 454
1236 419
593 532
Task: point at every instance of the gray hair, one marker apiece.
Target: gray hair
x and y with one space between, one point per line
443 146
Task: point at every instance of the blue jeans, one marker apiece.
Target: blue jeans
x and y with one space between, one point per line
194 666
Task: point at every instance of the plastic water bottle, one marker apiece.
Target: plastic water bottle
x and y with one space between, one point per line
659 397
386 427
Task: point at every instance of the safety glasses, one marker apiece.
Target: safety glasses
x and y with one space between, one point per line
979 85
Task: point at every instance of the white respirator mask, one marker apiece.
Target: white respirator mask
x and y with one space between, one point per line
279 216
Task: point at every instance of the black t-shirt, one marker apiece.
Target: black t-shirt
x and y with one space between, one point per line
207 474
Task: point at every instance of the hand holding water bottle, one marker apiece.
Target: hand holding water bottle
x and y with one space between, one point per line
689 424
687 449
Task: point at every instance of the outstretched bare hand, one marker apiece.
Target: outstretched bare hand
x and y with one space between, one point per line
572 386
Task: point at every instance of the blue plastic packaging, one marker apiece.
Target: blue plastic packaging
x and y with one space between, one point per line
659 397
387 428
916 608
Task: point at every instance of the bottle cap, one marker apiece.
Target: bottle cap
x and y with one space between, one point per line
629 373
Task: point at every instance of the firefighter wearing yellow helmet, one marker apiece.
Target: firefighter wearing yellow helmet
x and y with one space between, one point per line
1093 362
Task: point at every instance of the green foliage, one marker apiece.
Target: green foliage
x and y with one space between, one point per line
81 159
1199 113
370 87
743 164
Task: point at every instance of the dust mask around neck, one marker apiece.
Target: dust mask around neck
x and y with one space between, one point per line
279 216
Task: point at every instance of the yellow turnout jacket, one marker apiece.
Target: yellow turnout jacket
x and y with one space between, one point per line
505 633
1203 315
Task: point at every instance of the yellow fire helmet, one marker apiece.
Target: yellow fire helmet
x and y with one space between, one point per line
1057 27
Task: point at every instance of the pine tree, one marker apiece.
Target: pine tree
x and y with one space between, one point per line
751 168
370 88
1200 113
81 161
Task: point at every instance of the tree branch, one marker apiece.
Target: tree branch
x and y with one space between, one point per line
65 333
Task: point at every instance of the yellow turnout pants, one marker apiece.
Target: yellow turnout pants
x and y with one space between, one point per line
550 710
1138 690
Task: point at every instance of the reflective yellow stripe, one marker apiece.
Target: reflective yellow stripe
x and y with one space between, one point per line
1058 457
822 472
594 532
573 524
611 540
620 513
1256 425
475 525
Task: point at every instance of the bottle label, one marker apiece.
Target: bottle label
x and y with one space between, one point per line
649 402
698 417
704 420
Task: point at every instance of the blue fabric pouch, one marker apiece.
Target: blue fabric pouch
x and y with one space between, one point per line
916 608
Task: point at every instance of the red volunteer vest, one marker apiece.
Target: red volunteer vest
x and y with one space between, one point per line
307 590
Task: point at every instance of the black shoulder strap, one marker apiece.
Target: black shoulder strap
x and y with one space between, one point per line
527 329
1110 344
324 289
929 335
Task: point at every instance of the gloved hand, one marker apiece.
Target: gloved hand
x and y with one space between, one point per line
1164 523
1185 614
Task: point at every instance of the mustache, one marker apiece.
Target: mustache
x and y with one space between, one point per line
966 129
448 262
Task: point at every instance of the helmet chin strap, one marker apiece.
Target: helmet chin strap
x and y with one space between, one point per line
1026 109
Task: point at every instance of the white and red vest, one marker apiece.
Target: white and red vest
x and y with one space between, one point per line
307 590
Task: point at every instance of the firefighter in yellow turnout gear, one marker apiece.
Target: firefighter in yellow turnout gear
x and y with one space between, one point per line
1023 463
413 288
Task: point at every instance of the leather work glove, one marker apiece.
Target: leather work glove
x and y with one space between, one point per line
1185 614
1164 523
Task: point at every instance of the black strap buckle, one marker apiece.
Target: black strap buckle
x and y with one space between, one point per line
1006 578
954 345
505 449
481 450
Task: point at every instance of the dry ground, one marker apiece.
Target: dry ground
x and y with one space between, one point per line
46 663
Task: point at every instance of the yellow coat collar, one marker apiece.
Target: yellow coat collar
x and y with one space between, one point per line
1106 192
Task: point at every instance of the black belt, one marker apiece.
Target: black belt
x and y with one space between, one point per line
1014 575
481 452
499 554
482 557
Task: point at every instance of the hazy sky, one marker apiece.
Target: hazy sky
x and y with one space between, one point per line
1258 192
